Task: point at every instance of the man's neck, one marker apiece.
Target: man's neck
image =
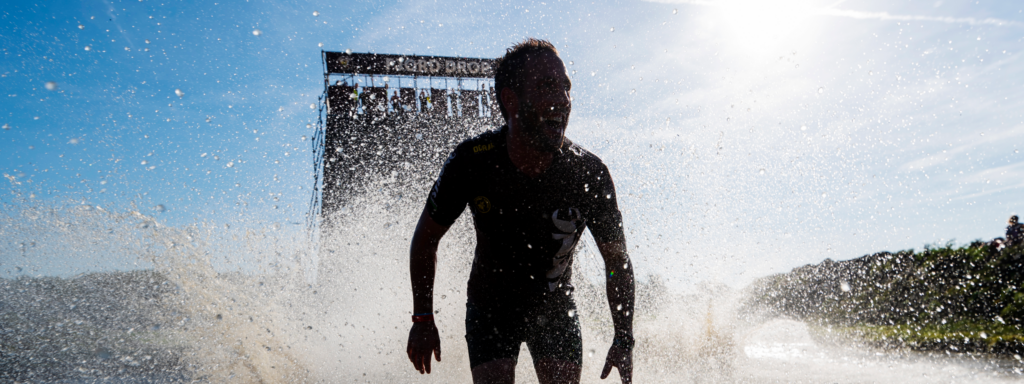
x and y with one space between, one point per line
526 156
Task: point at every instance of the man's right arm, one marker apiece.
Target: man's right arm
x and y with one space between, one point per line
423 337
423 261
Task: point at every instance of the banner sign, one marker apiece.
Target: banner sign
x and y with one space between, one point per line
408 65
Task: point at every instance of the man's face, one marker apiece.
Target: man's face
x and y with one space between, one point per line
544 103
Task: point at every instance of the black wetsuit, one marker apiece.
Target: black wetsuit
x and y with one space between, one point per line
520 286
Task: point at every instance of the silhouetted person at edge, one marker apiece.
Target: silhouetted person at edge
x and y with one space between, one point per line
531 192
1014 232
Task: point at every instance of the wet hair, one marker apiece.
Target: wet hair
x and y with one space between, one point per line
511 67
1013 219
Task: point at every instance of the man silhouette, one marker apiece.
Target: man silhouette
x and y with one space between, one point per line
531 192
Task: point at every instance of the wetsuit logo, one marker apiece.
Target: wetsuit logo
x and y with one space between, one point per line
483 205
483 147
569 222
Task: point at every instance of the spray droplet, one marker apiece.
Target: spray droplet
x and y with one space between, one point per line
823 195
572 313
570 63
231 164
73 141
321 45
7 127
312 106
303 138
160 208
618 307
821 89
147 41
844 286
51 85
761 172
803 127
144 162
870 73
316 13
613 29
309 125
80 26
88 48
348 51
179 93
675 11
256 32
632 91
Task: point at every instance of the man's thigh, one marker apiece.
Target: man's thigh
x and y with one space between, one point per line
492 335
501 371
555 335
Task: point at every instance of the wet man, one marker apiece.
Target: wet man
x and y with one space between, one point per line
532 192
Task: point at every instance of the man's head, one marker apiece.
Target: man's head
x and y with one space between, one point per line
1013 220
533 88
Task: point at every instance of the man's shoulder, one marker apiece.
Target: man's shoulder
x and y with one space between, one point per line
577 154
481 144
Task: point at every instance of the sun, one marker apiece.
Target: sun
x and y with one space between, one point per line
760 25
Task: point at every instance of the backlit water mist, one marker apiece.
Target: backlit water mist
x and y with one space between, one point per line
157 177
344 317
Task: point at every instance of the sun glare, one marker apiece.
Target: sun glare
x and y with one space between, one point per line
759 25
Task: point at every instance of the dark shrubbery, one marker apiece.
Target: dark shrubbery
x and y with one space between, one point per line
936 298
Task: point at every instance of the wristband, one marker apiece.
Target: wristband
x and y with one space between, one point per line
423 318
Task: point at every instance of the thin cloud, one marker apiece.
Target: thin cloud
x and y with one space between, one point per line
1000 136
861 15
887 16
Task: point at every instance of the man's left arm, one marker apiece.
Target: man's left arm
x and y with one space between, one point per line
619 288
606 227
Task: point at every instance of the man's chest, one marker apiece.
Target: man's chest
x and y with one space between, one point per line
504 199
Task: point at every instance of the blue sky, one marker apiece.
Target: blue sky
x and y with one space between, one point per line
745 137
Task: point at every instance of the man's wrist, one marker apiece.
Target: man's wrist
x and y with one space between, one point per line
423 318
624 340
